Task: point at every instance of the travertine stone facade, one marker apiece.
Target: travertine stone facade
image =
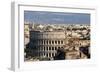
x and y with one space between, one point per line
47 42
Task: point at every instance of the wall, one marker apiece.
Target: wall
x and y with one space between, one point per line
5 37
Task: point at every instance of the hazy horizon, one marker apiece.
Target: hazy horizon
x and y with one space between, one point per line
44 17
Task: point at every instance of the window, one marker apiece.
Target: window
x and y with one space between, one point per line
52 54
49 48
52 48
61 42
55 48
42 42
44 48
58 47
55 42
49 42
58 42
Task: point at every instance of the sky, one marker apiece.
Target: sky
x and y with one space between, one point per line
44 17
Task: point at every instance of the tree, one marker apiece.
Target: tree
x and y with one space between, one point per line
60 54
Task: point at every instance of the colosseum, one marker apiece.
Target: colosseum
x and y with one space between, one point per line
47 42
